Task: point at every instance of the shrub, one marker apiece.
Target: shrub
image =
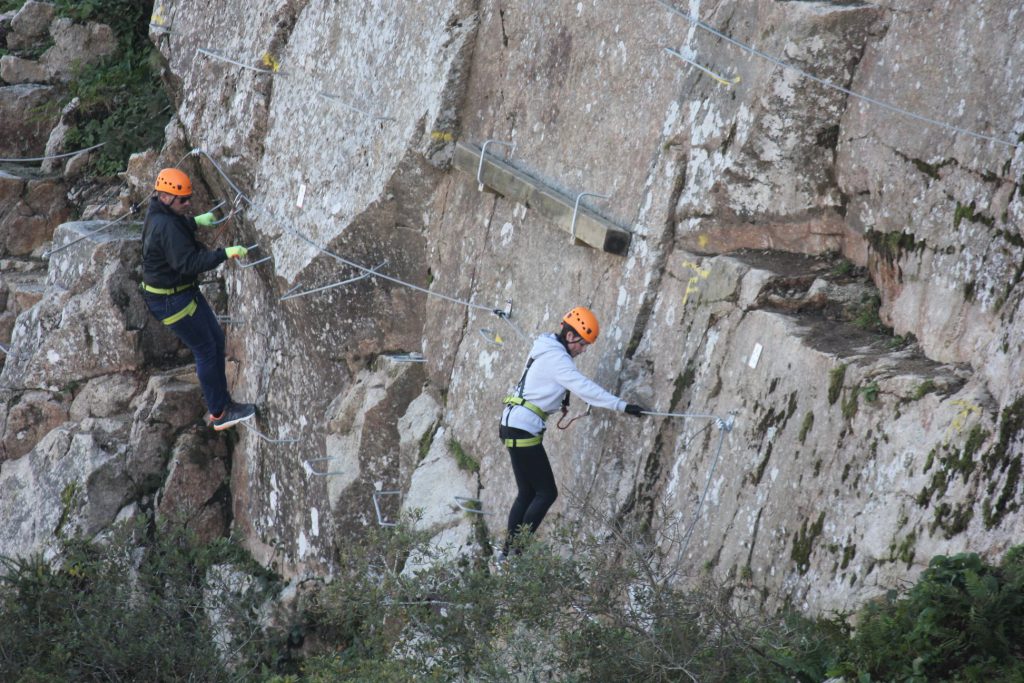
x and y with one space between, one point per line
116 611
963 620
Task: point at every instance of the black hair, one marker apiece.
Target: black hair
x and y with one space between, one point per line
566 327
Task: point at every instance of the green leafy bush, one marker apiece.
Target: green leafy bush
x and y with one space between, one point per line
962 621
123 103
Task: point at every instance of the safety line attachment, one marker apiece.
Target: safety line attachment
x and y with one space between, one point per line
292 294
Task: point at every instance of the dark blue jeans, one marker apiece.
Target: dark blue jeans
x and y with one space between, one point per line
203 335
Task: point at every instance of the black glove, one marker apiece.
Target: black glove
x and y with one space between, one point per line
635 410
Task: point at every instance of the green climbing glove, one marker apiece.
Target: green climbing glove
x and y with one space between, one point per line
206 219
236 251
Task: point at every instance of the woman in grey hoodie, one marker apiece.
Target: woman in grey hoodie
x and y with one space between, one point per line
549 377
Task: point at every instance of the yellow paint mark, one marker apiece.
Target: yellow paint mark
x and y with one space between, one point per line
498 339
726 82
158 18
269 61
959 421
692 285
442 135
702 240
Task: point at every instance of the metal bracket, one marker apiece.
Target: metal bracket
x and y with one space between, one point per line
480 168
292 294
576 209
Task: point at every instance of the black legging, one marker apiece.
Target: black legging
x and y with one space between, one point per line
537 490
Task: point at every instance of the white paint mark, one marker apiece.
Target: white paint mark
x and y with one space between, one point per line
302 195
755 356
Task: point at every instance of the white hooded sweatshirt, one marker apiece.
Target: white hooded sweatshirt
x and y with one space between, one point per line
551 373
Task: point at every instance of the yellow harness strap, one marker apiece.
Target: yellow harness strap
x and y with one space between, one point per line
167 292
524 443
520 401
188 310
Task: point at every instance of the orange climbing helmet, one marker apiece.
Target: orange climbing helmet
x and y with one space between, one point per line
584 322
173 181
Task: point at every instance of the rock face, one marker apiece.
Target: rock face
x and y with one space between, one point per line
837 282
25 128
30 209
84 439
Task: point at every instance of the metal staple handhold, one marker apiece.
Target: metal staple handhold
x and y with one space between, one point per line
575 210
491 336
307 465
411 357
461 501
376 506
266 438
256 262
483 150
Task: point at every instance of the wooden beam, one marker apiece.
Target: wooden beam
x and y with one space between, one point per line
591 229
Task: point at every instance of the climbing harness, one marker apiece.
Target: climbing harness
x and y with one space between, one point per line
166 292
185 312
520 401
517 399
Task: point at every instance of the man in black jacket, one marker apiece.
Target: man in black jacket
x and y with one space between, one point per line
172 259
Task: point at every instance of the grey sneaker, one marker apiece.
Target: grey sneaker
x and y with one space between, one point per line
233 414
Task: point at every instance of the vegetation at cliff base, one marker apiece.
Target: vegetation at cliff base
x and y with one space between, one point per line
146 603
149 603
